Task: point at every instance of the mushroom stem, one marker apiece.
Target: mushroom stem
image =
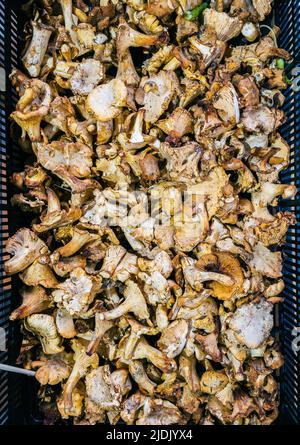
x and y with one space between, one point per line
195 275
126 38
137 330
187 369
131 344
213 276
66 6
82 364
219 6
25 247
76 185
30 123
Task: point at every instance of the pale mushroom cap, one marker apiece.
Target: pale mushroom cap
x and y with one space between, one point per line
252 323
105 101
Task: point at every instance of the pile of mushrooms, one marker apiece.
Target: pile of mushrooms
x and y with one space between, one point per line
131 312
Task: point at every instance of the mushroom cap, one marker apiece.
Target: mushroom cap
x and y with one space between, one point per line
101 390
87 75
26 247
179 123
39 274
266 262
77 292
263 7
65 324
158 92
252 323
173 339
213 381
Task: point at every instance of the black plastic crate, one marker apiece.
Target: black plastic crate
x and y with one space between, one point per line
17 393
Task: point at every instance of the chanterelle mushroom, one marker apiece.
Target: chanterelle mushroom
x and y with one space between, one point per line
34 301
178 124
262 119
55 215
159 412
83 363
157 93
128 37
195 276
77 292
266 262
139 375
213 381
87 75
53 370
252 323
39 274
43 326
75 157
226 264
263 7
105 102
37 48
149 133
101 389
226 27
173 338
65 324
182 162
25 247
227 104
32 108
134 302
144 351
